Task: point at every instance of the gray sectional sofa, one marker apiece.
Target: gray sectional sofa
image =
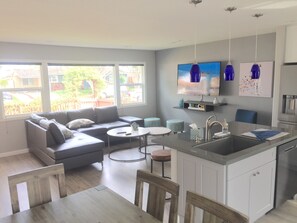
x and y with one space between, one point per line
79 147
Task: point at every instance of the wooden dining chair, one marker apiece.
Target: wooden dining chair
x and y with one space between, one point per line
38 185
156 199
213 212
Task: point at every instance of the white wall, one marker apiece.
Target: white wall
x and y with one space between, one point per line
291 44
12 132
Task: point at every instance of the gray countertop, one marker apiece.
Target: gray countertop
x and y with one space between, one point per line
183 143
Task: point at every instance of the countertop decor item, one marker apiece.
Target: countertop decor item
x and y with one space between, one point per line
229 70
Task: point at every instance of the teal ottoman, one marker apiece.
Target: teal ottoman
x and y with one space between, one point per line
152 122
175 125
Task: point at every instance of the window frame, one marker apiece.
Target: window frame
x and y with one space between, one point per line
143 84
38 89
45 88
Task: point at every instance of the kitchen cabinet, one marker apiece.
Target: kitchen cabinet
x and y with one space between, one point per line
201 176
246 185
251 190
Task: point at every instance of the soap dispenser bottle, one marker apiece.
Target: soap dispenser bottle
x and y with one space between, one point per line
225 127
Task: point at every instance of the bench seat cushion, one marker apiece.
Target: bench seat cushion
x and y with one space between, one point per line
78 145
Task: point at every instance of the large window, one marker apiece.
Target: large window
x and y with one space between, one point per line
80 86
131 79
23 87
20 88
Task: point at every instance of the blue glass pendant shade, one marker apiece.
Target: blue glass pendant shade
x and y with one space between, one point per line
229 73
195 73
255 71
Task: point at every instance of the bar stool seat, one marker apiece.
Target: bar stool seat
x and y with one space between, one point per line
161 155
152 122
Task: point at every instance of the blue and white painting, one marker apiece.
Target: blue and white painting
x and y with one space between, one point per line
209 83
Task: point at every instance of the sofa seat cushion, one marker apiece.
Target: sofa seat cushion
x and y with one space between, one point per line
94 130
78 145
116 124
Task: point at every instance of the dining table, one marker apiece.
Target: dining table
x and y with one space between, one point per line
98 204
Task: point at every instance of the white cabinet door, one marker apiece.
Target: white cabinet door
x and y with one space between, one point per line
186 178
262 190
201 176
238 193
252 193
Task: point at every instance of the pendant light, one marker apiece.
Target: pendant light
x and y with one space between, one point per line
229 70
195 69
255 70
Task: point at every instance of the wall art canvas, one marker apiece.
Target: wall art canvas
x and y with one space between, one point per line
261 87
209 83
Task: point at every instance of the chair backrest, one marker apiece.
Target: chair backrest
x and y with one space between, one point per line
246 116
213 212
157 188
38 185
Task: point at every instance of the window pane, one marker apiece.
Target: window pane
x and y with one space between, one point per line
74 87
20 76
131 94
131 74
21 102
131 84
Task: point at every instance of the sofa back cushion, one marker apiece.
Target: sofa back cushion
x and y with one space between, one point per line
87 113
60 116
106 114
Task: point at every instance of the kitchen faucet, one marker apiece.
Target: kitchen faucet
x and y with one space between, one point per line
209 125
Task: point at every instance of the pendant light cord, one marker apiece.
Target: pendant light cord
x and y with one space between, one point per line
195 48
230 10
229 38
256 47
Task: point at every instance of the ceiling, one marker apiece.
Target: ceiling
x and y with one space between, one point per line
138 24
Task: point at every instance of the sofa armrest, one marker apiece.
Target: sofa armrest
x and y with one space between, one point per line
38 137
131 119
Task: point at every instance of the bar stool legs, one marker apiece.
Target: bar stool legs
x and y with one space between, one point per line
160 156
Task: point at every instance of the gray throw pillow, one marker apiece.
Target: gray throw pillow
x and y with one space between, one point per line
36 118
44 123
66 132
79 123
56 133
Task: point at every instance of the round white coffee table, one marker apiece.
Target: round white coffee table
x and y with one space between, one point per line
156 131
126 132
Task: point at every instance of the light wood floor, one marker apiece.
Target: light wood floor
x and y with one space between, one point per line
118 176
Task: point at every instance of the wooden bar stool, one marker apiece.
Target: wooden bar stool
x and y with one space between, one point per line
161 155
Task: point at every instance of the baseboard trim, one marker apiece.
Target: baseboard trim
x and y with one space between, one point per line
13 153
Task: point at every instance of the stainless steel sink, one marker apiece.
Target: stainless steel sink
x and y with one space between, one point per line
228 145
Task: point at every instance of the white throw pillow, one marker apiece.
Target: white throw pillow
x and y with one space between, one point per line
79 123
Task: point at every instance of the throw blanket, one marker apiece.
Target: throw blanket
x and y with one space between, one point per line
262 135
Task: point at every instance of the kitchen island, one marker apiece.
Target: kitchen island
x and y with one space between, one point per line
244 179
